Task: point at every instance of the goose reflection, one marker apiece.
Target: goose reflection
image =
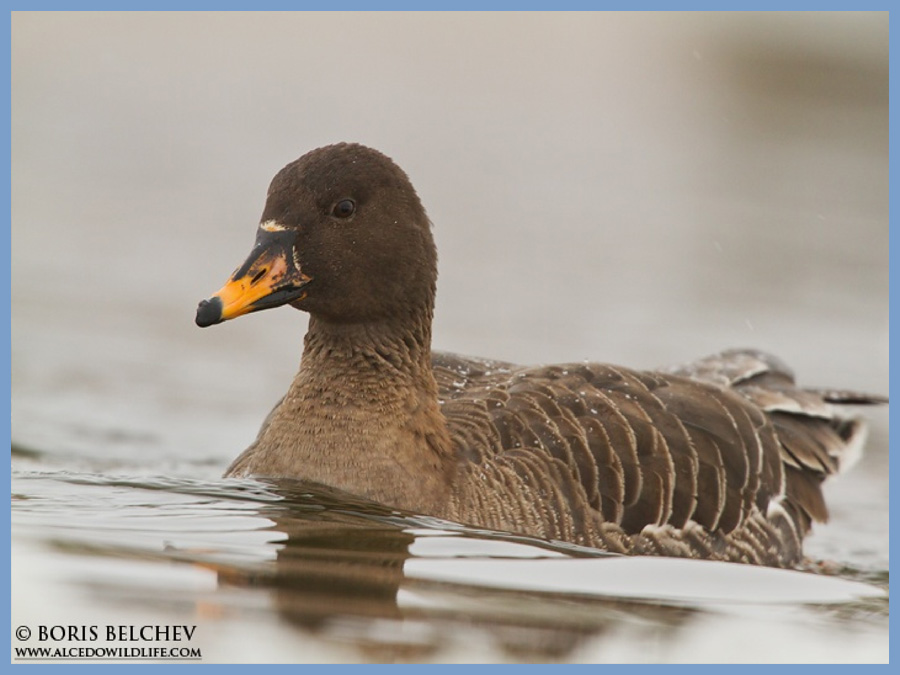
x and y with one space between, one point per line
340 573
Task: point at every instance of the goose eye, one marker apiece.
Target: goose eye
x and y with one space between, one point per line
344 208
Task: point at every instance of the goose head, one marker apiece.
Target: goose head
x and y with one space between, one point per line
343 236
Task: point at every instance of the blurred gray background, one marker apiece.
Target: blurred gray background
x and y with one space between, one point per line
639 188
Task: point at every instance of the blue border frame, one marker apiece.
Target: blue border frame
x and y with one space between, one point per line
393 6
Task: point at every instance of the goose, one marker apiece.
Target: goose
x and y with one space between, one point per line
723 458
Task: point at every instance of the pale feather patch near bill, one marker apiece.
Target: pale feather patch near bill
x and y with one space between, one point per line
272 226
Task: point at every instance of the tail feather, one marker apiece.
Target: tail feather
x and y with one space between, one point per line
817 438
847 397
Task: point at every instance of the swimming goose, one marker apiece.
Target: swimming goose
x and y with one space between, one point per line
722 458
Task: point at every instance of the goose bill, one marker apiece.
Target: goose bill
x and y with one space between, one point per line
268 278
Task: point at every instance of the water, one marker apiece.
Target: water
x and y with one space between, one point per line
294 573
640 190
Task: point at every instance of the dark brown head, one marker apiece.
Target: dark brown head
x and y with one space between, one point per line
344 236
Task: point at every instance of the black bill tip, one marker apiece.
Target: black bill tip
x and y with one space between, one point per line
209 312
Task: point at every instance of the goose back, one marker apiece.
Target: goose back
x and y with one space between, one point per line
720 458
